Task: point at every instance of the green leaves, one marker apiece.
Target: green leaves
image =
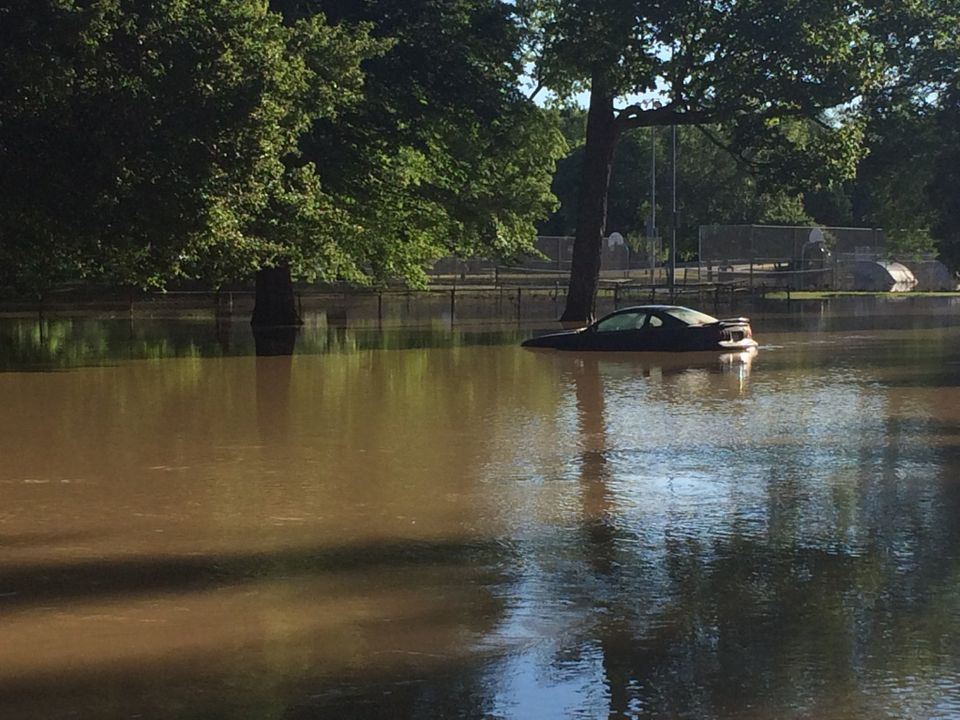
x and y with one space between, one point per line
144 141
444 154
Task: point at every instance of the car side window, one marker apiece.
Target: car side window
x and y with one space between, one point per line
654 322
621 322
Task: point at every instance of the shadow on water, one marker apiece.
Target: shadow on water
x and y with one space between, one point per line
451 687
27 585
290 678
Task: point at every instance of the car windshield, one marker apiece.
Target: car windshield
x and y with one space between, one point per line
690 317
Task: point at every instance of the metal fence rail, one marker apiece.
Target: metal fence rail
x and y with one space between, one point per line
541 296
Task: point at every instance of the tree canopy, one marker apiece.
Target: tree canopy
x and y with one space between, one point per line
712 187
144 141
777 73
445 155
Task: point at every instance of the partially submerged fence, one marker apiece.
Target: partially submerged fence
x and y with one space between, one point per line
543 299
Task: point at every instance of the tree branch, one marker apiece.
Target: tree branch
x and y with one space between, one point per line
737 156
635 116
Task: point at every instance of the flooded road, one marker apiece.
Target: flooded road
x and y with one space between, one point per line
436 523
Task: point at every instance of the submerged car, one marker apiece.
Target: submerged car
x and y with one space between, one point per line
657 328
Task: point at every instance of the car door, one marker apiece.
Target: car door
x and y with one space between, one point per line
655 334
622 331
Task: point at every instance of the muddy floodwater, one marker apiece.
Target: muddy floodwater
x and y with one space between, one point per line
431 522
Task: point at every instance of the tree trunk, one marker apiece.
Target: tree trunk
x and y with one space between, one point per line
602 136
275 304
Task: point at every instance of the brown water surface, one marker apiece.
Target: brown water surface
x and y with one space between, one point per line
461 528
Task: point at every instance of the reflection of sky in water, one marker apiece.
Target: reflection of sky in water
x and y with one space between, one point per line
676 492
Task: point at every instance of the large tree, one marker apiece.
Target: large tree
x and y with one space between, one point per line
756 66
906 181
445 155
713 187
143 141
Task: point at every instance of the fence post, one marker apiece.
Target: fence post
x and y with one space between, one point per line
453 302
380 307
616 296
519 293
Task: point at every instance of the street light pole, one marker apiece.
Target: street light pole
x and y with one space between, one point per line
673 220
653 182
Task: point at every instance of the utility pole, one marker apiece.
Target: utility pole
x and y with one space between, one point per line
652 229
673 219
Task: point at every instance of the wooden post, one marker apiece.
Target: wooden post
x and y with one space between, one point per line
519 293
453 302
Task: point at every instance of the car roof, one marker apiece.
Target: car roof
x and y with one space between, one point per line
634 308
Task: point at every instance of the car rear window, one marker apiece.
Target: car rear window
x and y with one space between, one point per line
691 317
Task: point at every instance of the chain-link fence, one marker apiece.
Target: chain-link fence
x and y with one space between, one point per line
725 245
554 255
835 258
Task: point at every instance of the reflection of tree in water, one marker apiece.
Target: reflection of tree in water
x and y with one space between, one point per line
598 511
28 344
739 622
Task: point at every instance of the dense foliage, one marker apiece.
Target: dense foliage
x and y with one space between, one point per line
445 155
143 141
779 75
712 187
146 141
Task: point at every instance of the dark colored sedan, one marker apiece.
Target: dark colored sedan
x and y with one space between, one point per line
658 328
